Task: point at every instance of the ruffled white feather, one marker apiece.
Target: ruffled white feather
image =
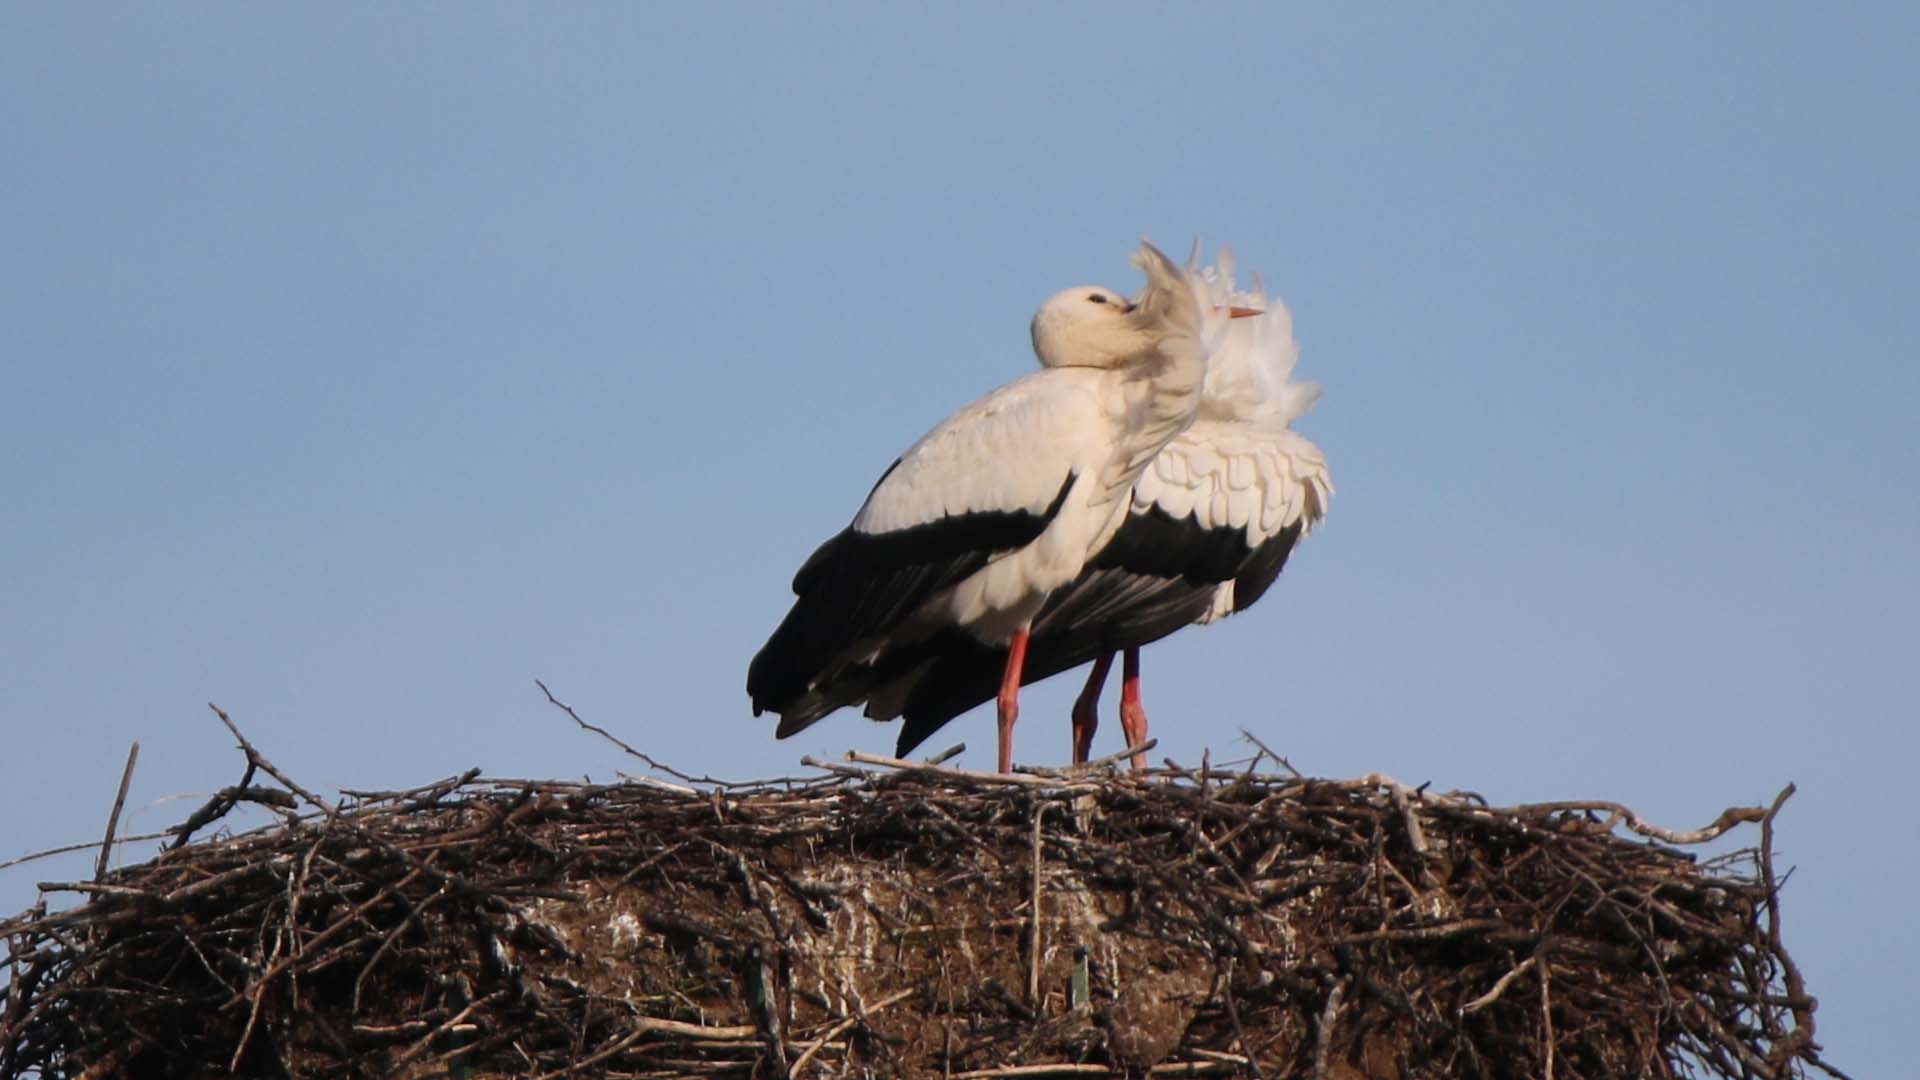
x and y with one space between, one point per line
1240 465
1250 365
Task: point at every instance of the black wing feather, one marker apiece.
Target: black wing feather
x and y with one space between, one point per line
1155 542
1101 611
1263 566
857 586
1156 575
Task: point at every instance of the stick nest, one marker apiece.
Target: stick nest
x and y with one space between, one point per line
917 921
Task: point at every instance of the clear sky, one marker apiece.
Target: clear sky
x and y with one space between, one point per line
363 363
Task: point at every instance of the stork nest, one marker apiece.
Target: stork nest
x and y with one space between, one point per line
917 921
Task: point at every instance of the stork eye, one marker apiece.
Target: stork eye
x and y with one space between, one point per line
1097 298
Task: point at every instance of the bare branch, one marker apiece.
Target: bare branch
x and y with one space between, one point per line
1323 1040
113 819
1498 988
256 759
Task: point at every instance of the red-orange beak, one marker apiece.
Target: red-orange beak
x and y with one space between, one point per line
1243 312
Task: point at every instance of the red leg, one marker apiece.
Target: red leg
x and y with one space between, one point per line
1010 696
1086 709
1133 715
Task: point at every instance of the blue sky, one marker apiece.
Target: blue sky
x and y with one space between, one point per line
365 363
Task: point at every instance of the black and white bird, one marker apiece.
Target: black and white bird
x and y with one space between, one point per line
1211 524
967 533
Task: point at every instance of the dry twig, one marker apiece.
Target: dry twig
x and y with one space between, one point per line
113 819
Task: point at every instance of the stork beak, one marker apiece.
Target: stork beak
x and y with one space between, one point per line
1243 312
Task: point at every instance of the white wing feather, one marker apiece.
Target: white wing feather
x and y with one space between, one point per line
1240 465
1227 476
1009 451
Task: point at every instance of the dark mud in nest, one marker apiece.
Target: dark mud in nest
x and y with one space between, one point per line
918 923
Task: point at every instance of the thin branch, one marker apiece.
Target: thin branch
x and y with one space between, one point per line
1023 1072
1087 767
1268 751
1546 1018
420 1044
1728 819
1010 779
224 800
1785 1050
1033 913
1499 987
1323 1040
844 1026
113 819
948 754
678 1029
612 738
1416 835
1233 1015
255 758
68 849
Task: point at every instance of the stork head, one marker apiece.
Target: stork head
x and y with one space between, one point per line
1087 326
1090 326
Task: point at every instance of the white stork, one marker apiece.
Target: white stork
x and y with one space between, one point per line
966 534
1212 522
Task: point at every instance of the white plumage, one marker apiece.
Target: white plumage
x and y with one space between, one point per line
967 533
1240 465
1212 520
1012 451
